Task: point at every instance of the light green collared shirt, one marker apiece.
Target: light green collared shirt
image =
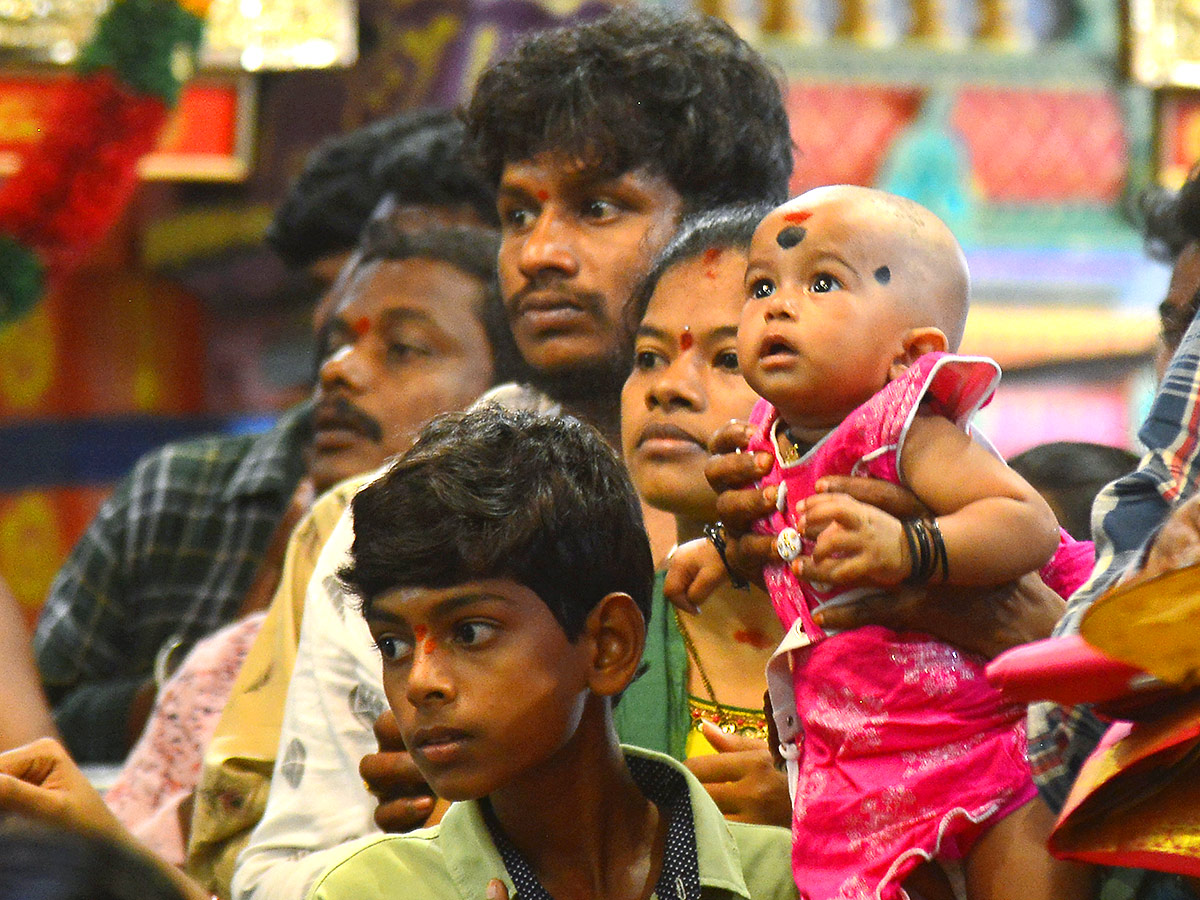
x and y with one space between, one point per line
456 859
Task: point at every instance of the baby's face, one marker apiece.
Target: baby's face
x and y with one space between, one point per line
822 323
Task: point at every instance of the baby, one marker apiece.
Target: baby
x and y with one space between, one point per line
899 751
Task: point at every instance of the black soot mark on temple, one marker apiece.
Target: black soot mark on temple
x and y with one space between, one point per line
883 274
790 237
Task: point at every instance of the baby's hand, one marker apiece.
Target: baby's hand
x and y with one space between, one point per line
694 571
854 543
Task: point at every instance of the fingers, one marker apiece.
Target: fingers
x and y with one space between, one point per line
404 814
685 566
724 742
747 555
387 732
1178 543
405 800
740 508
496 890
745 784
17 795
732 437
891 498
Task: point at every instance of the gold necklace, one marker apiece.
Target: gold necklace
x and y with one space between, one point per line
745 722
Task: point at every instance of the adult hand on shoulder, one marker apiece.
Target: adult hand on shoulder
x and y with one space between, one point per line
42 781
742 779
496 890
1178 542
733 474
986 621
405 800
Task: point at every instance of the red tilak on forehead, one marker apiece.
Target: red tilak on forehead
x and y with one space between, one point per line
543 196
797 217
685 339
711 255
420 632
362 325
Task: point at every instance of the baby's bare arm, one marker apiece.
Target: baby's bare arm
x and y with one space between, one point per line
694 571
996 527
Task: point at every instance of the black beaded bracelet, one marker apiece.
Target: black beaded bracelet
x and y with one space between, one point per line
715 533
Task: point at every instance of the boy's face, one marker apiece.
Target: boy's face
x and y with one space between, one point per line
404 343
484 684
574 245
685 382
823 320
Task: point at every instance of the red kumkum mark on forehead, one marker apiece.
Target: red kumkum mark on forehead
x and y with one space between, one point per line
797 217
686 340
362 325
711 255
543 196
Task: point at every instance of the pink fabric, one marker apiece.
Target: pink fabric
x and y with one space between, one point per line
906 752
163 768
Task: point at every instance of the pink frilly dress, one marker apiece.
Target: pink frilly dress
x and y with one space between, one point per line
898 749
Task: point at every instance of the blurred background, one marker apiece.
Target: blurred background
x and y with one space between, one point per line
1030 125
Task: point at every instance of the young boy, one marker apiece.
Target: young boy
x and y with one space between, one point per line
506 578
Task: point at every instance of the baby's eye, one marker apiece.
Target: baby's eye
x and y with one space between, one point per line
824 283
645 360
392 647
469 634
727 360
761 288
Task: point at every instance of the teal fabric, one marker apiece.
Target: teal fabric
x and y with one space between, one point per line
653 711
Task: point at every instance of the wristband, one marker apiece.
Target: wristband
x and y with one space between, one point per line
715 533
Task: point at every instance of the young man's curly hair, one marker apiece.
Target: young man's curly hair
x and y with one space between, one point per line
681 96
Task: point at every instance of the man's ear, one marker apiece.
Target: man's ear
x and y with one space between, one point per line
617 634
917 342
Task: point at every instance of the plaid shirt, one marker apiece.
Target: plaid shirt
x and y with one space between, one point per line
170 555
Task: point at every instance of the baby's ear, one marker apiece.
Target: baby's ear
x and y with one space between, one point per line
617 633
917 342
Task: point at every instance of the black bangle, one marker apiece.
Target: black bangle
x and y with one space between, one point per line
715 532
921 549
939 546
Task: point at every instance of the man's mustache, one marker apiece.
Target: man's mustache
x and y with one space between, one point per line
339 412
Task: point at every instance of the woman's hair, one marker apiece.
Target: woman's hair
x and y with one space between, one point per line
680 96
725 227
497 493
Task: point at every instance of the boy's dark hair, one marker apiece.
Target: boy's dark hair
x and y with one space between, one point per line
1069 474
1170 219
726 227
416 157
496 493
681 96
470 250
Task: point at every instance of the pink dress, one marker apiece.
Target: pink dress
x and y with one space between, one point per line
899 749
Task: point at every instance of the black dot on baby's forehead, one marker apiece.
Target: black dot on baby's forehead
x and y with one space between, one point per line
790 237
883 274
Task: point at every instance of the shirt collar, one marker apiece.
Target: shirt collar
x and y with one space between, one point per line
274 460
473 858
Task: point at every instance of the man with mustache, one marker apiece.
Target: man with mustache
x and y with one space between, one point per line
599 137
181 545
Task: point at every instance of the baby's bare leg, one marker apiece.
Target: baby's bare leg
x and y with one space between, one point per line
1011 862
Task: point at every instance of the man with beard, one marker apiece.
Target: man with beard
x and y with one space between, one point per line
599 138
181 546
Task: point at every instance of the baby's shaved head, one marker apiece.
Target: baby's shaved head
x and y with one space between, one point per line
909 249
